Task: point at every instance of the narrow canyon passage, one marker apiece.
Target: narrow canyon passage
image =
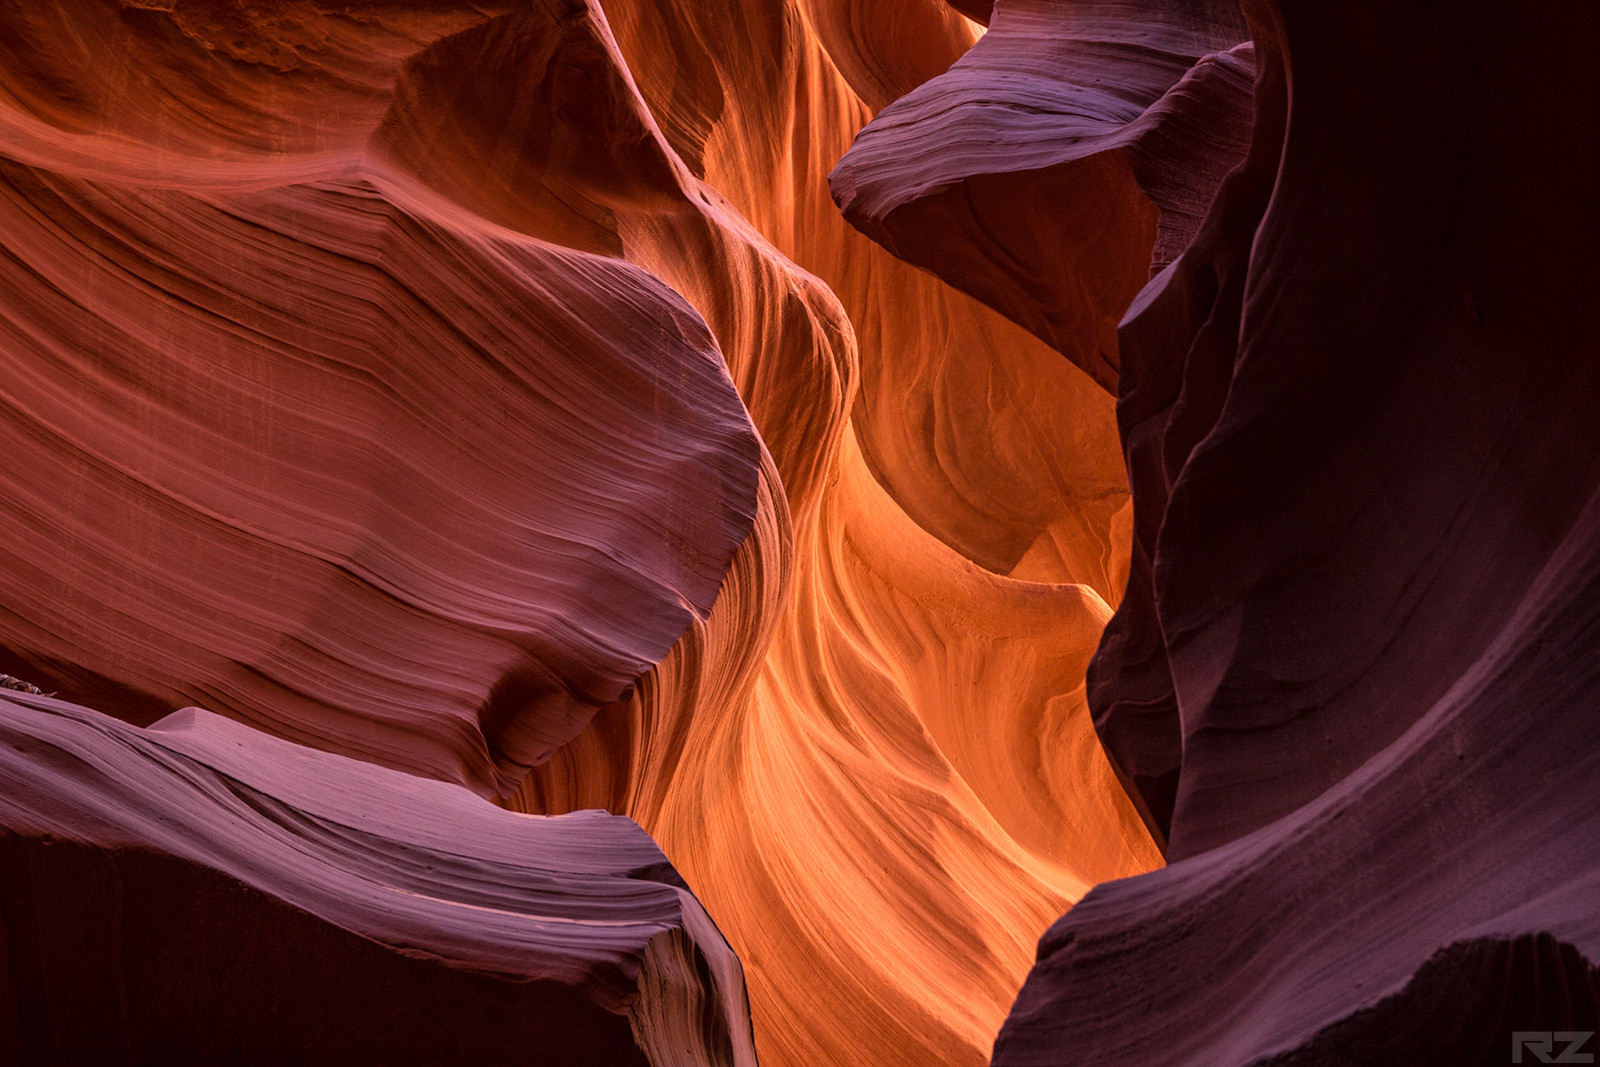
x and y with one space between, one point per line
828 533
874 761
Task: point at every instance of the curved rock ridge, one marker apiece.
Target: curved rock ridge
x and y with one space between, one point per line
345 908
1332 959
1355 660
1061 161
851 773
414 486
873 759
980 433
535 121
182 89
1219 335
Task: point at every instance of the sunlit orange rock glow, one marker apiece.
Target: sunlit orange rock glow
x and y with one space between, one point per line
428 421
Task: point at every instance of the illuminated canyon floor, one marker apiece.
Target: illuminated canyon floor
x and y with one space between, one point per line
664 532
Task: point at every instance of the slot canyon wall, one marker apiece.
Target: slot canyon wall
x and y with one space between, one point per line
1359 418
439 433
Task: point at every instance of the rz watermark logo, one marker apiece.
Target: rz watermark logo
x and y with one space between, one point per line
1565 1044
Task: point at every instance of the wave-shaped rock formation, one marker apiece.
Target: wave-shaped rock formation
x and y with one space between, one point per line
723 414
198 891
874 760
420 382
1037 171
332 416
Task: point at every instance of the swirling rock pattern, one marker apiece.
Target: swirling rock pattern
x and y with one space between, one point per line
414 486
345 909
494 393
411 408
870 714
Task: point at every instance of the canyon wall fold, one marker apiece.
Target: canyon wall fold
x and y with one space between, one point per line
873 760
1355 668
1068 154
724 415
923 462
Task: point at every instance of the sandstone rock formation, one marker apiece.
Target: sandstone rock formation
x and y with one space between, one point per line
376 428
297 437
1034 171
878 710
199 891
1058 163
723 414
1353 682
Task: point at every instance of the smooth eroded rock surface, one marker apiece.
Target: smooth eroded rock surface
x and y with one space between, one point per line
391 377
295 436
1071 151
198 891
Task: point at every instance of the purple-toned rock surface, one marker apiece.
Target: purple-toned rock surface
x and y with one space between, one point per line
1361 659
491 395
198 891
1043 169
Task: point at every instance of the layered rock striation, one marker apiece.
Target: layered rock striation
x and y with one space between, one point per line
199 891
724 415
424 383
1057 164
298 437
873 761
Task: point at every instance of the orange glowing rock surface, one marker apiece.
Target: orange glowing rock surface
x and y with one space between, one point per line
874 761
495 392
